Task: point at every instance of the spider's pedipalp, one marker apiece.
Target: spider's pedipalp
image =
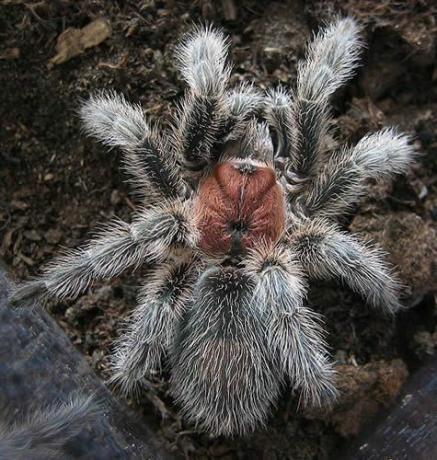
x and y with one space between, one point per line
150 330
43 433
343 179
326 252
117 247
279 116
223 375
294 332
204 111
116 123
244 102
256 142
331 60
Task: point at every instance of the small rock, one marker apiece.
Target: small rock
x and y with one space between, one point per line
115 197
32 235
53 236
18 204
10 53
426 343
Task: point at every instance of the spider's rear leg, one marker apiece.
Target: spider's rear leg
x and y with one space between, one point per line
152 170
294 332
223 375
326 252
151 328
119 246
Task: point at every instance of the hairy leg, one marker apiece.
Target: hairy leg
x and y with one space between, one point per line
150 330
294 332
153 172
326 252
331 59
223 375
342 181
117 247
204 110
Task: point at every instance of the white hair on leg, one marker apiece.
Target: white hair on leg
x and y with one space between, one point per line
294 332
331 60
204 111
244 102
342 182
150 330
326 252
201 60
119 246
147 160
256 142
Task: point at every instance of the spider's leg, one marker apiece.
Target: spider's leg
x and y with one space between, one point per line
331 59
294 331
119 246
342 181
204 110
223 375
151 328
113 121
326 252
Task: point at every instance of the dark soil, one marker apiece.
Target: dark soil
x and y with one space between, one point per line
56 185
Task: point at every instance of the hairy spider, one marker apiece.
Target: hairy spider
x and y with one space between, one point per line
236 214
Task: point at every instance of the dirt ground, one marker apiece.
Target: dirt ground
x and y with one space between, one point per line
56 185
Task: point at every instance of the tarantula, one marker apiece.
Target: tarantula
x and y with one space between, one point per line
239 207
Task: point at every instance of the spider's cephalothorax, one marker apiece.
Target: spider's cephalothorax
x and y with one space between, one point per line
238 206
236 214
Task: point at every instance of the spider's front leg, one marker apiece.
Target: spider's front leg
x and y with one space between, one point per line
209 115
204 109
294 332
150 330
326 252
302 120
223 373
148 239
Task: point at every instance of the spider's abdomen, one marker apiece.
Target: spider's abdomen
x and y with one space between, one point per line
239 205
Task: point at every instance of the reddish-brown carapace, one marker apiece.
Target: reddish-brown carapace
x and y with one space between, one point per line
239 205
